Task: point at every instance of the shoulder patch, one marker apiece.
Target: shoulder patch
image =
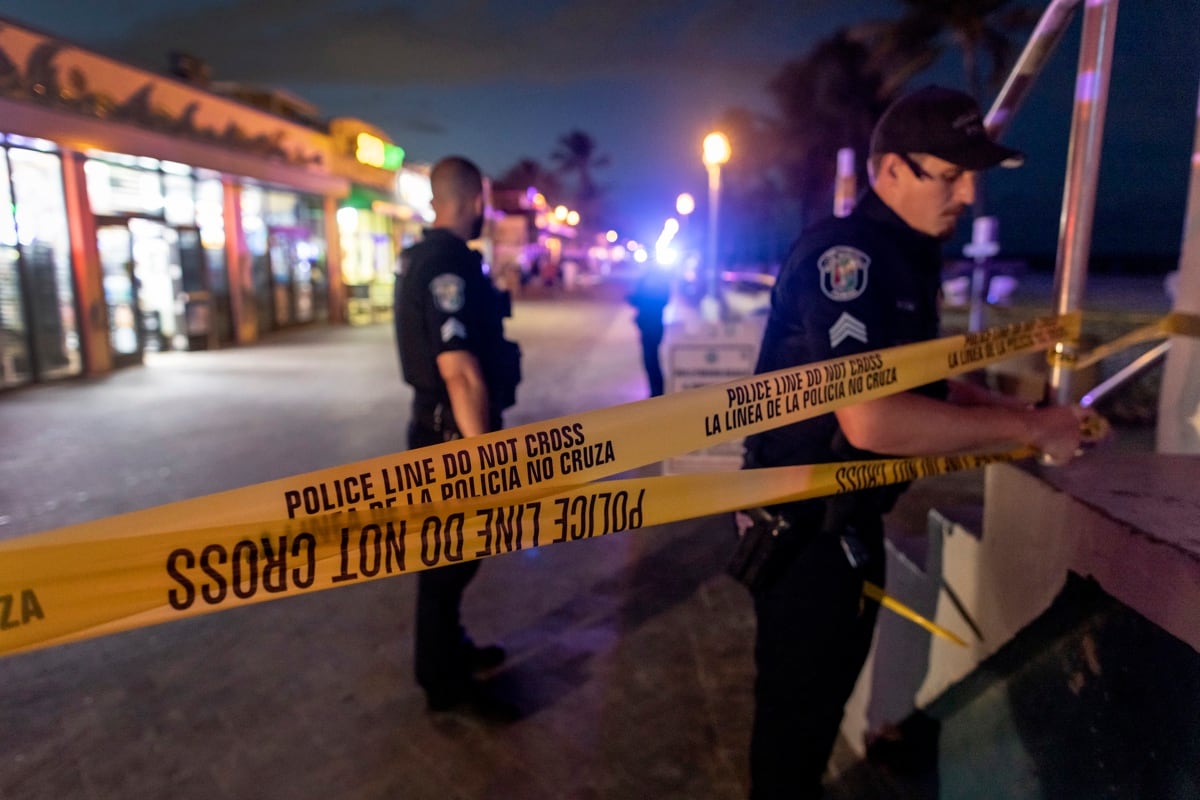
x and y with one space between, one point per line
452 329
449 292
843 272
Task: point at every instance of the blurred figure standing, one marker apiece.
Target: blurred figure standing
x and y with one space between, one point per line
650 296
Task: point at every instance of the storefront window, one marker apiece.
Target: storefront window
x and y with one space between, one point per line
179 203
368 263
284 236
45 261
14 352
174 214
254 229
281 209
210 212
210 219
115 189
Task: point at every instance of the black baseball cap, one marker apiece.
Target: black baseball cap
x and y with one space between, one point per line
941 122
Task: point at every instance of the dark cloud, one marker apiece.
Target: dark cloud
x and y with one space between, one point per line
415 124
362 41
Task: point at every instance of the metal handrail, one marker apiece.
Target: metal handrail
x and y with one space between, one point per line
1125 374
1083 167
1037 52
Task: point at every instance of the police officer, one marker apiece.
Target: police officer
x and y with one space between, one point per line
650 297
449 331
864 282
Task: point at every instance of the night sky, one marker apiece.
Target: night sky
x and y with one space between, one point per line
498 81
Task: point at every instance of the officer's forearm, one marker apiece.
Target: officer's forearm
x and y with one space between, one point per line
467 391
964 393
468 401
910 424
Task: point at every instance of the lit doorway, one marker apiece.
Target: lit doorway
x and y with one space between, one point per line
120 293
142 261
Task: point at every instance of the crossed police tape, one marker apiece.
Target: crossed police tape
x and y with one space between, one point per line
515 489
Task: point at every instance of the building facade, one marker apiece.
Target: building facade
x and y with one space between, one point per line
141 212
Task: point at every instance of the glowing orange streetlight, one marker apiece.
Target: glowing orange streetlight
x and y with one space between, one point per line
716 153
716 149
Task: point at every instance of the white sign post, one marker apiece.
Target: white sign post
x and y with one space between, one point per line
699 353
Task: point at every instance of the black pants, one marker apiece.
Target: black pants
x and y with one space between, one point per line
652 336
441 643
814 632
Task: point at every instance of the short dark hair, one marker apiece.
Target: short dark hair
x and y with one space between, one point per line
456 177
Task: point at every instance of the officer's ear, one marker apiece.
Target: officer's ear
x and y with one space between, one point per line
888 168
891 160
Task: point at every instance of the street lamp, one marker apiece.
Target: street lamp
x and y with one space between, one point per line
685 204
716 153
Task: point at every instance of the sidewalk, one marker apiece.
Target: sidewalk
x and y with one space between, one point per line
629 656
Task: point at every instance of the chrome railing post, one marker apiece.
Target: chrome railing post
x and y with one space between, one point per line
1083 168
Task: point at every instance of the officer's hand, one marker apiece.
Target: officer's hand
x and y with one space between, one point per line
1058 431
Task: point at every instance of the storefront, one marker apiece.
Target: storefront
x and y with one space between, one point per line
284 234
373 223
368 241
39 334
160 235
141 213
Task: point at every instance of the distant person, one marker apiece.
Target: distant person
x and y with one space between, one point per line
450 336
853 284
650 296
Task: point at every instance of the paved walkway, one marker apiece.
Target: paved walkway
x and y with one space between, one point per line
629 656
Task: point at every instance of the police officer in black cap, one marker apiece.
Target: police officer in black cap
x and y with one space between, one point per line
449 330
864 282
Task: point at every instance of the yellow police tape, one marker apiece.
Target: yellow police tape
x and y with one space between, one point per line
877 594
1175 323
514 489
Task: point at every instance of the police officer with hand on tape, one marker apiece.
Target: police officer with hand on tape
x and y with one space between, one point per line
450 335
865 282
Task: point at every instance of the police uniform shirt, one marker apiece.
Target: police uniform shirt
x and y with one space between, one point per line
444 302
854 284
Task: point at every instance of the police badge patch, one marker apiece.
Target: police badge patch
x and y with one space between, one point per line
449 292
843 272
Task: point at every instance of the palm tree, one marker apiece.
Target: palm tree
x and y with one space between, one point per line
530 172
578 154
828 100
757 222
979 29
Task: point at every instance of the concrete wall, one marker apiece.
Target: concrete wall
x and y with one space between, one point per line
1130 522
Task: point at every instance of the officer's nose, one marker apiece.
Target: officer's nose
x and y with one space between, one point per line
965 189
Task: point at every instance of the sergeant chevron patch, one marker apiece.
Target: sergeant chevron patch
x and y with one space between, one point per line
453 328
847 327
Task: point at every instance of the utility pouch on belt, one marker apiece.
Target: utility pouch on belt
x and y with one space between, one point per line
443 422
504 375
761 536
